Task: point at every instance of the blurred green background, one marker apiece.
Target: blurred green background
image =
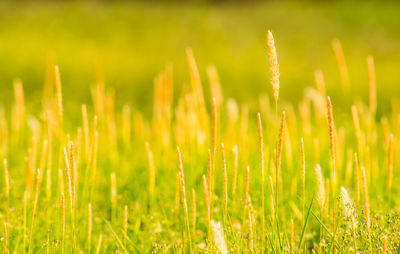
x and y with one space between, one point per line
134 41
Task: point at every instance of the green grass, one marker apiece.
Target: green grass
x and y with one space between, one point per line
133 43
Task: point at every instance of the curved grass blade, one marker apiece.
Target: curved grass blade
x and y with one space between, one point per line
305 224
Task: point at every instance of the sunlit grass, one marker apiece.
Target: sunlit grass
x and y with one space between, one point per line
276 177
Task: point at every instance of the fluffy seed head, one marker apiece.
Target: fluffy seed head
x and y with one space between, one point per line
219 238
273 65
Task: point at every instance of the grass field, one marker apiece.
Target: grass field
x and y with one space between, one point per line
117 135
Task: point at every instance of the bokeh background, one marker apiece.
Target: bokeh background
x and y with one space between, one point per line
133 41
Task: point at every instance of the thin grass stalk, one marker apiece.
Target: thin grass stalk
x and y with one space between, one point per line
390 165
99 244
303 174
261 154
63 224
151 171
321 197
278 160
89 240
68 175
235 170
5 238
125 224
7 184
177 190
292 246
209 173
183 193
113 196
207 203
271 192
34 206
366 207
85 126
225 178
194 213
214 143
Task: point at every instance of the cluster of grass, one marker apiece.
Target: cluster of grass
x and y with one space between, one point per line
223 178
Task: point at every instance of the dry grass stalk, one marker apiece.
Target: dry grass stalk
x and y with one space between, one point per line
69 178
182 180
341 63
332 143
273 65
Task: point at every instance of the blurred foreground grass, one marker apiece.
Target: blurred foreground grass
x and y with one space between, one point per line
133 42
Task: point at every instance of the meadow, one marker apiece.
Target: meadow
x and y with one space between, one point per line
105 149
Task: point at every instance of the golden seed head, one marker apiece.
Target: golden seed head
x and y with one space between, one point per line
273 65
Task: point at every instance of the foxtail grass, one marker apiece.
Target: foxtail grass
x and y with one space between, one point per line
273 65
